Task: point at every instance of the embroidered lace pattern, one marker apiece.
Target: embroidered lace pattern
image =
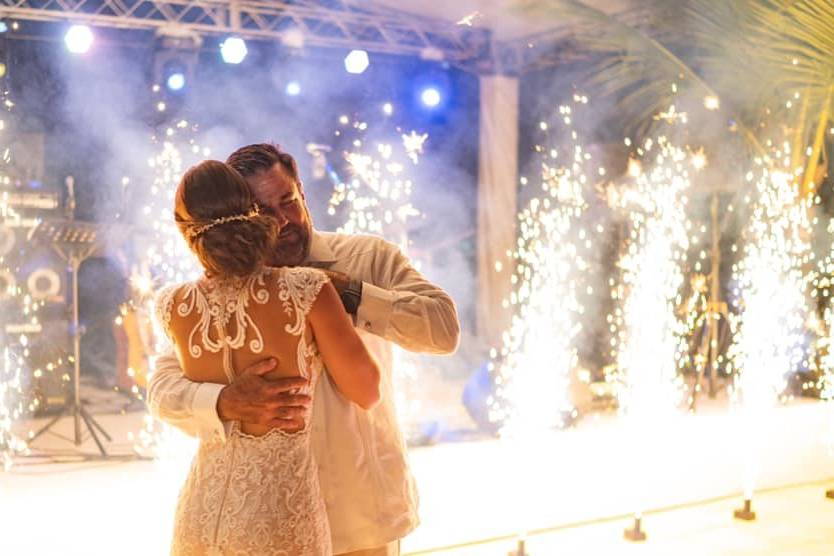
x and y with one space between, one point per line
250 495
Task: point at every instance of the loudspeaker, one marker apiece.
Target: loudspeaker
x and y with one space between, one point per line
34 268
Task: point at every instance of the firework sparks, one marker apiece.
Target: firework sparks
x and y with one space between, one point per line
533 369
413 143
771 298
712 103
166 258
377 199
648 337
18 313
469 20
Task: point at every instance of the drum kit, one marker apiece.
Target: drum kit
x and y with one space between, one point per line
42 249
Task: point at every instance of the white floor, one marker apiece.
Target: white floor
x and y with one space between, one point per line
572 492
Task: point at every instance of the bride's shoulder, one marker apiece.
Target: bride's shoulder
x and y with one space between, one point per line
164 300
300 283
299 274
170 291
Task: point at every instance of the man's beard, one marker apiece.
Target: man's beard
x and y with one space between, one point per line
292 246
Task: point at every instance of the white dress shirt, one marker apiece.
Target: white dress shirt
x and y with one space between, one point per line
363 469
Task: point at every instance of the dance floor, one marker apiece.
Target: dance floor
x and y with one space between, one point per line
573 491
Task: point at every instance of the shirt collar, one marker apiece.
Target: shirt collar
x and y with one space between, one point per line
320 251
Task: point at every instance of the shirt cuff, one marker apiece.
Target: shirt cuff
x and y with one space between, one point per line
205 409
375 309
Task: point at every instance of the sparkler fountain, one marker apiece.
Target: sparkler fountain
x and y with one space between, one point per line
15 306
533 369
771 298
374 196
649 338
825 343
166 258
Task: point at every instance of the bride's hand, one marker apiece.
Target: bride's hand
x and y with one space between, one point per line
254 399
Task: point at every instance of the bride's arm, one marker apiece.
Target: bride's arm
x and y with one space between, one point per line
348 361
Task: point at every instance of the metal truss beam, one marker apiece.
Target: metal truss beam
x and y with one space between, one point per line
318 23
342 24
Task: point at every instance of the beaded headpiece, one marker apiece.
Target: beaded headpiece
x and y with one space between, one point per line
194 232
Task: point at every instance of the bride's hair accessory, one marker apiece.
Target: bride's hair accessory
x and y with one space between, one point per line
196 231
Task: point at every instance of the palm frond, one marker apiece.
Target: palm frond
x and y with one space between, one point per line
633 66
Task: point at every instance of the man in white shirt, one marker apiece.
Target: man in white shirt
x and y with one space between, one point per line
368 488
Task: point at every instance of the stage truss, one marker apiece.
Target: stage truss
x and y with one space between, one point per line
337 24
316 23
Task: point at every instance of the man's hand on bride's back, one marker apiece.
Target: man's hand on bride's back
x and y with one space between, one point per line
255 399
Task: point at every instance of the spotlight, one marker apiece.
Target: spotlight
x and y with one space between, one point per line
293 89
78 39
3 27
388 108
175 81
357 61
175 56
430 97
233 50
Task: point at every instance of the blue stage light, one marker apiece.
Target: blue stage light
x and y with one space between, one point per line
293 88
233 50
357 61
78 39
430 97
175 81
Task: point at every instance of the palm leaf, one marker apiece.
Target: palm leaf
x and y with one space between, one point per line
633 66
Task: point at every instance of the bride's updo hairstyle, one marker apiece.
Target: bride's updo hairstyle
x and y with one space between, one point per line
216 212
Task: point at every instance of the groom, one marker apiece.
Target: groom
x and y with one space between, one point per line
363 470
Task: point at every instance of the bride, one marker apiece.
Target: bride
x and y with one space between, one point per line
257 493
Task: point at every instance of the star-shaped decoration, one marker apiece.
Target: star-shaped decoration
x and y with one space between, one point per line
469 19
413 143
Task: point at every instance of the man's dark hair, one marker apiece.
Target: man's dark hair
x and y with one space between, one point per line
254 159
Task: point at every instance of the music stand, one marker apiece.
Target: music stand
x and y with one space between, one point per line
75 242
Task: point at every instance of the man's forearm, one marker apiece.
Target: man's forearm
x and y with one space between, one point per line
186 405
424 321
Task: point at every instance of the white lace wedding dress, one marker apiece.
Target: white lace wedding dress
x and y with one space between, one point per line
250 495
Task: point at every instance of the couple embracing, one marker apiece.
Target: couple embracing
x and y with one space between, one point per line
281 365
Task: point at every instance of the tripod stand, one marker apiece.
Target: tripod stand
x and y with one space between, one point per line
74 242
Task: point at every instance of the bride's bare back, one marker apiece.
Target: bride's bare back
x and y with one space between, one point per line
219 327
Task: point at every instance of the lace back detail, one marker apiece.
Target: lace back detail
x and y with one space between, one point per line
298 289
162 307
252 494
